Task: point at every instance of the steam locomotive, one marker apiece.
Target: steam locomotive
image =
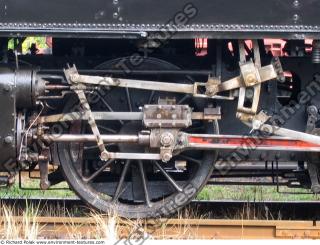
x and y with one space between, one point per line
137 117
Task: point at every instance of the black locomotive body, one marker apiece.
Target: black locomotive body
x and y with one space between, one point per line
145 116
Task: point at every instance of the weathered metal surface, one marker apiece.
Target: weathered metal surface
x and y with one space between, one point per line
121 18
18 90
247 142
8 120
64 227
167 116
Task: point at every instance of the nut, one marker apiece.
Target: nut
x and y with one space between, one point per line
74 77
104 156
166 139
166 157
8 140
250 78
212 86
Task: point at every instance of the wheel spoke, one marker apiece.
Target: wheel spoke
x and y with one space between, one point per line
108 106
183 99
171 180
191 159
150 97
87 148
99 171
106 129
121 181
128 99
144 183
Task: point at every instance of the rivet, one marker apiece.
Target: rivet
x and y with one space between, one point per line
296 3
8 139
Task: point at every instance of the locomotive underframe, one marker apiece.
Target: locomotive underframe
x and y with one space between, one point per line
296 121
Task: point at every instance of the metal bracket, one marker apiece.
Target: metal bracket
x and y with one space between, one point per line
73 77
167 116
250 77
44 169
313 161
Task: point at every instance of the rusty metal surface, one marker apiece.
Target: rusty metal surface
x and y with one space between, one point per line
60 227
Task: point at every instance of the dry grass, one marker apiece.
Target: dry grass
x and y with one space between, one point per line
111 227
14 228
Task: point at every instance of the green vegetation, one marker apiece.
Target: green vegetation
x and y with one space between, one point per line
254 193
15 192
39 41
246 193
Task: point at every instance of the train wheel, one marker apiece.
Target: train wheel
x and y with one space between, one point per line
135 188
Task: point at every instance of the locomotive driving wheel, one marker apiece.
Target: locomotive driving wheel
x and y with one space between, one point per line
134 188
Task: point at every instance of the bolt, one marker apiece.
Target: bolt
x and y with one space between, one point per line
8 140
312 110
296 3
74 77
166 157
212 90
250 78
167 139
104 156
115 2
7 88
143 34
174 116
249 93
159 116
295 17
115 15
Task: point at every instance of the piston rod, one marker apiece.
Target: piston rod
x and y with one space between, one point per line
199 141
140 139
